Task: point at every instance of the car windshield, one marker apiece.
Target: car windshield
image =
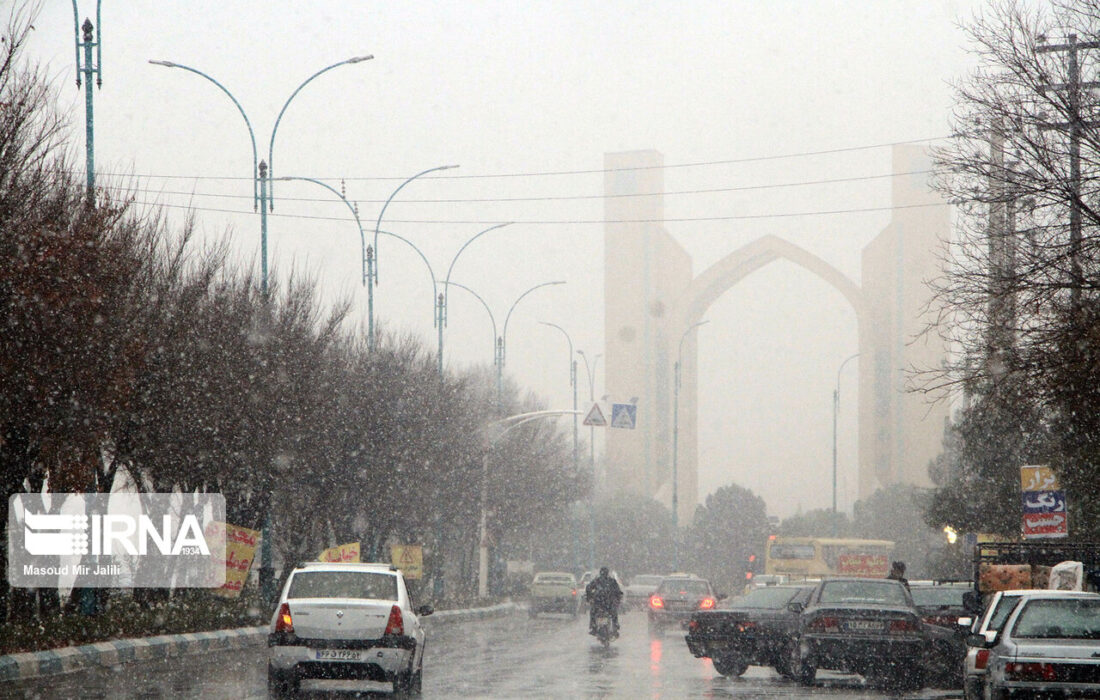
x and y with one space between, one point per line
343 584
882 592
771 598
938 596
684 588
553 578
652 581
1059 618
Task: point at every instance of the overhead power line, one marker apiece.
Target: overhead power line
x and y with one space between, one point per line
550 173
736 217
546 198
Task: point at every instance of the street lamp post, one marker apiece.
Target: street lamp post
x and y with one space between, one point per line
676 443
262 199
374 272
572 383
88 69
503 427
836 409
446 291
590 373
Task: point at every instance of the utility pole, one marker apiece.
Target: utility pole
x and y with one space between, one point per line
1073 88
84 71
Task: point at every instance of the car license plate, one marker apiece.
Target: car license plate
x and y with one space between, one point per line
864 625
603 620
339 654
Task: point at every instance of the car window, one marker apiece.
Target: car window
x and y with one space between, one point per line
938 596
1004 608
684 588
646 581
881 592
767 598
552 578
1059 618
343 584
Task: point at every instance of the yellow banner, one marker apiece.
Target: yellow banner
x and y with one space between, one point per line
409 558
1038 478
240 550
341 553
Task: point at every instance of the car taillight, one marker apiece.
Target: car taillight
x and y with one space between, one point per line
706 604
574 591
283 621
656 602
395 625
824 624
981 659
903 627
1029 671
693 626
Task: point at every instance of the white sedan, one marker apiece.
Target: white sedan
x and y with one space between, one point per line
346 622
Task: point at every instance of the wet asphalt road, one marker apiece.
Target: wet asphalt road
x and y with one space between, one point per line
512 657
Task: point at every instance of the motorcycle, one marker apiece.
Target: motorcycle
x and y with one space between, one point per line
605 629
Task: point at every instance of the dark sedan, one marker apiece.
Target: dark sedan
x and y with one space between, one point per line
941 606
755 629
676 600
864 626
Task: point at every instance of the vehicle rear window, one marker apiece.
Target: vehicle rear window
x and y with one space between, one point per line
553 578
684 588
653 581
1054 618
343 584
938 596
771 598
881 592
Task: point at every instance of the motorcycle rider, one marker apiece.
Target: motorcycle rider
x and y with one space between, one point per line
603 595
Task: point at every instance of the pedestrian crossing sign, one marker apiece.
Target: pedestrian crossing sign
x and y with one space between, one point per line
624 415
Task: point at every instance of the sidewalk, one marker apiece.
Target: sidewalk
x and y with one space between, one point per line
67 659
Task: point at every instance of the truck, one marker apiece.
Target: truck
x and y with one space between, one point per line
553 591
1000 566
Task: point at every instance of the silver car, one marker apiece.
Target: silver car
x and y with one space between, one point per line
988 624
1050 645
345 622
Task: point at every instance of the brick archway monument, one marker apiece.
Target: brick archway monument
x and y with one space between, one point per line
651 297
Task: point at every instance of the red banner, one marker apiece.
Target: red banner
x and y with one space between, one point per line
866 565
1045 525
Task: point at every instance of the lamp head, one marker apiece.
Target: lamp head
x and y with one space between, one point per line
360 59
166 64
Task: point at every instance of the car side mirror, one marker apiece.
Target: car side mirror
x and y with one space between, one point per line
795 607
982 641
965 621
424 610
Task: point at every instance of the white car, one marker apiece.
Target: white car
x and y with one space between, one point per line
1049 647
345 621
988 625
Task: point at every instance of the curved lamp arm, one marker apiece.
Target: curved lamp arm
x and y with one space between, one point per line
504 332
275 129
431 272
680 351
354 212
451 267
489 311
251 133
378 224
572 375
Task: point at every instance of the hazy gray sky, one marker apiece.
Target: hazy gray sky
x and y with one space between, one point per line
522 91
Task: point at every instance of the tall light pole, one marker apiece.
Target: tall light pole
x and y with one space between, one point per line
590 373
374 272
85 40
261 198
676 440
494 433
445 296
836 409
572 383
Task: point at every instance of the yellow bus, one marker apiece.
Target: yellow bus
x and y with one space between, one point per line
816 557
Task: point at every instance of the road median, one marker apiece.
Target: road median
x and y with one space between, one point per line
112 653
